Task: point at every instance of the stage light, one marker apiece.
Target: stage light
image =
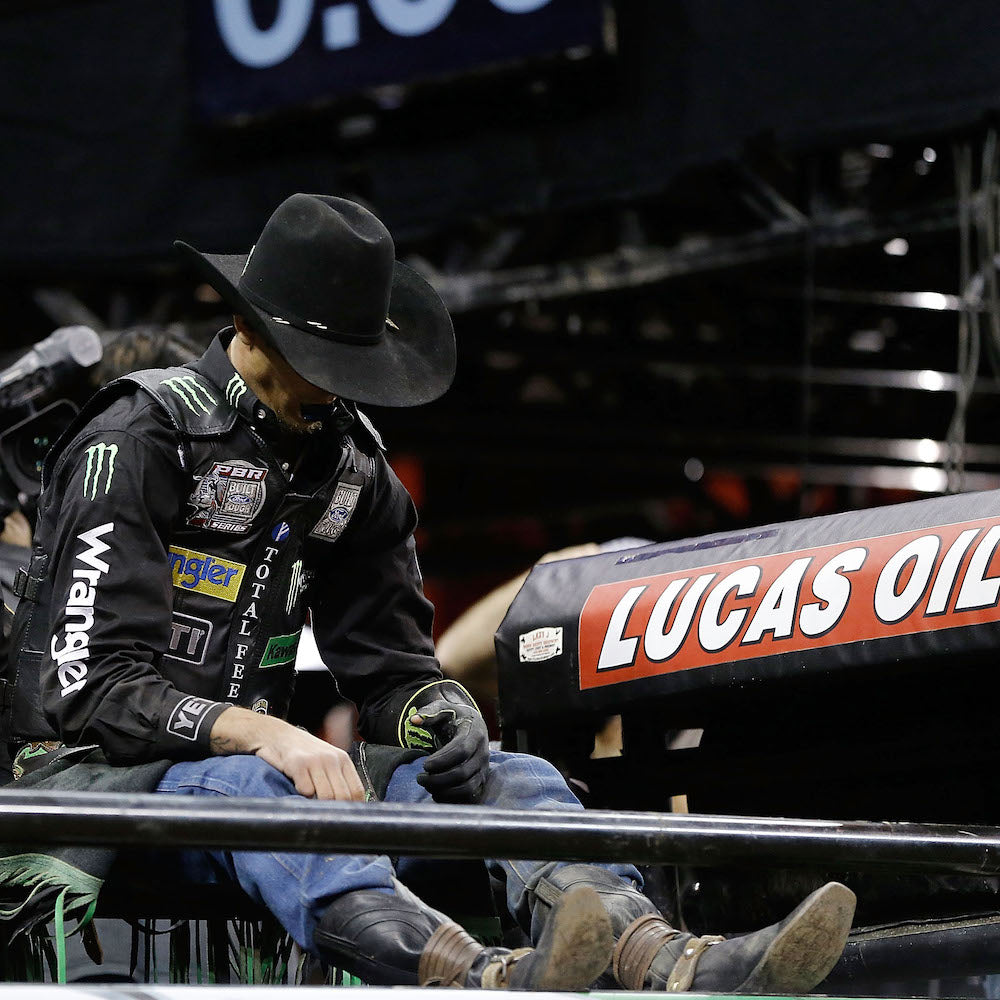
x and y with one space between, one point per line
928 451
930 381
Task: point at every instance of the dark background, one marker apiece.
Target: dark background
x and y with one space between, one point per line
669 232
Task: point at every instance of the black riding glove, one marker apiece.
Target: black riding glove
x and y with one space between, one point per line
450 724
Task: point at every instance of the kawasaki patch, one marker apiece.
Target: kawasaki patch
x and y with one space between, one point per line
280 650
331 525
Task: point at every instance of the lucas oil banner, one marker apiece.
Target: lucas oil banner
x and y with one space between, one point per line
887 585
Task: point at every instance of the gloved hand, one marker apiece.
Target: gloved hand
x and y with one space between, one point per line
456 771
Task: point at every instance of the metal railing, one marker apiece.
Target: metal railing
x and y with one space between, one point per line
39 818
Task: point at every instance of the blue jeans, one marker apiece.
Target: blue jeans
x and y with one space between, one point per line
297 887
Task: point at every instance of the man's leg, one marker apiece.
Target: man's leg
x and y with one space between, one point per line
351 910
792 956
515 781
296 887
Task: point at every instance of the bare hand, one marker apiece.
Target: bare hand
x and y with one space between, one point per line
316 768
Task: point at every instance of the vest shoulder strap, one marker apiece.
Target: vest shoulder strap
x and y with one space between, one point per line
195 406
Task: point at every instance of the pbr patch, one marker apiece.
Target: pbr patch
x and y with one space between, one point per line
331 525
228 497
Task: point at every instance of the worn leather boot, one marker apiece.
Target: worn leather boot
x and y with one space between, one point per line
387 940
792 956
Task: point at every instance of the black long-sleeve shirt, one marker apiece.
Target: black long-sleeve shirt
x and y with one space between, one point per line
147 599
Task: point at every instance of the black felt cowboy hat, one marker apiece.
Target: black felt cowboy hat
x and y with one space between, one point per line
324 288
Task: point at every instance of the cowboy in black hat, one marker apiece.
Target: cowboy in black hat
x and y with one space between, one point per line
190 520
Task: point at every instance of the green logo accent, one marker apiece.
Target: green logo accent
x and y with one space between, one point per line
280 649
95 465
235 388
413 736
191 392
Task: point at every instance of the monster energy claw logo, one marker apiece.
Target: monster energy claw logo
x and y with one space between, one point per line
414 736
191 392
235 388
95 466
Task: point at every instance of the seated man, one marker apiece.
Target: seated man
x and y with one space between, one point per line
187 521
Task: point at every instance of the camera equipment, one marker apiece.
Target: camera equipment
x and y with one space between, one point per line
49 364
48 369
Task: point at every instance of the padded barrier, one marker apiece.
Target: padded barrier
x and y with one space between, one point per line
853 591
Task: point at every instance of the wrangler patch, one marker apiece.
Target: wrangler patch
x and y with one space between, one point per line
204 574
72 655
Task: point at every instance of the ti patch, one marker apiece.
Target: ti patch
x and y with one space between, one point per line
189 638
228 497
331 525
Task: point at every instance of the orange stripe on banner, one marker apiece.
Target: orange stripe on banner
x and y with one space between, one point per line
872 588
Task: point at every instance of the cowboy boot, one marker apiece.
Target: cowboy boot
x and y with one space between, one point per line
386 940
792 956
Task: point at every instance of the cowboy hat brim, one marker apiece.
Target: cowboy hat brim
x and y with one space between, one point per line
412 363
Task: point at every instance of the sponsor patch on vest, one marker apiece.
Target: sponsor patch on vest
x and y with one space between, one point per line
204 574
89 569
280 649
100 457
331 525
260 706
228 497
189 638
187 717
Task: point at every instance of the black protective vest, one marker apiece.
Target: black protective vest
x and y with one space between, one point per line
238 554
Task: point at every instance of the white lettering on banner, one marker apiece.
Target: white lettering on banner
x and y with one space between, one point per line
884 586
260 47
71 657
891 606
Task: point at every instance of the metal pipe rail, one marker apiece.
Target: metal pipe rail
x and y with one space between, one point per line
36 819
